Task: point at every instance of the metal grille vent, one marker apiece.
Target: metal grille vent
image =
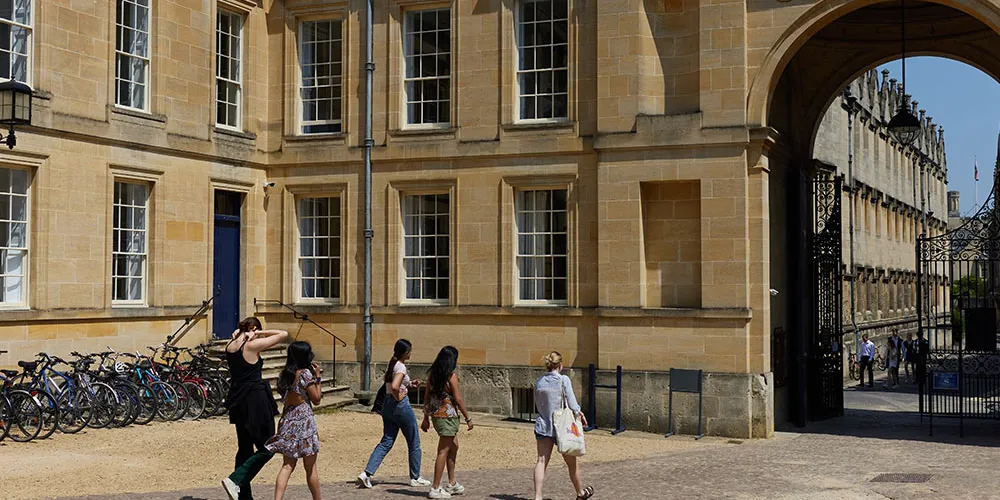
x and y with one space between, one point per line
522 403
900 477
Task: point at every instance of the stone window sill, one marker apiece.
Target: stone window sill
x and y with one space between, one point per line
235 133
311 139
130 115
428 132
534 126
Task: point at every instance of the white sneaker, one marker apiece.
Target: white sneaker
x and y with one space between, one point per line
438 493
420 482
232 489
455 489
364 480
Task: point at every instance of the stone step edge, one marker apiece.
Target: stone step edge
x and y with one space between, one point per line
328 390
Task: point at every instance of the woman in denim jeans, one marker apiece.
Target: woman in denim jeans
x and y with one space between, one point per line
549 391
397 415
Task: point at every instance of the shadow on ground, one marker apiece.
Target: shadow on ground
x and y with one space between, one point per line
893 413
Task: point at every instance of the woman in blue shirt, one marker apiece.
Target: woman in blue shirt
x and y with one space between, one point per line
549 390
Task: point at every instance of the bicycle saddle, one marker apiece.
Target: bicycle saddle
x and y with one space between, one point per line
28 365
145 364
9 373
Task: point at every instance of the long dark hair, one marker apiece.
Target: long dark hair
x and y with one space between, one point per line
399 350
300 357
442 368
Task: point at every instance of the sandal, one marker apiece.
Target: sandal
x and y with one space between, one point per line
587 493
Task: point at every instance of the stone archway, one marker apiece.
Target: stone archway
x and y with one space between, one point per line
822 49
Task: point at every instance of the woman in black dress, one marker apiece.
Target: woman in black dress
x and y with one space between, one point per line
251 406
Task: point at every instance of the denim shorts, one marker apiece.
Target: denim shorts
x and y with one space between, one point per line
540 437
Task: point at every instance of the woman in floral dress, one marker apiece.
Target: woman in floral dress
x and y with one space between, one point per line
297 438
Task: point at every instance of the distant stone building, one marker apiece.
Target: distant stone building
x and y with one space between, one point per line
955 218
899 193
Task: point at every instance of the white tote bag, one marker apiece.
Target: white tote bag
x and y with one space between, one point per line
568 429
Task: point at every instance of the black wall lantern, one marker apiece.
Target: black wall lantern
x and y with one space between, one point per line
903 125
15 109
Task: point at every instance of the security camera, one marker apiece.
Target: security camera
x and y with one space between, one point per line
268 185
774 293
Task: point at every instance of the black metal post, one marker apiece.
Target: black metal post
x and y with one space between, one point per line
670 414
701 395
961 394
592 398
618 403
930 402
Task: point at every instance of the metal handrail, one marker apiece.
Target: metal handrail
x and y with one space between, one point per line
201 312
305 317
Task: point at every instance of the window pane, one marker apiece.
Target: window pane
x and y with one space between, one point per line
412 268
411 246
526 267
442 246
319 247
527 289
413 289
428 65
18 181
320 54
129 240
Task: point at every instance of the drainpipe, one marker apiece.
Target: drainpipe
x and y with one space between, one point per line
850 175
369 142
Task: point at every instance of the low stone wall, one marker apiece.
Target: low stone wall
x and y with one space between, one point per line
734 405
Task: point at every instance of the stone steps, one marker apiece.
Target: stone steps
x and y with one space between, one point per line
334 396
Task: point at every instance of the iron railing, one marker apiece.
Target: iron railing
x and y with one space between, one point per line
201 312
305 318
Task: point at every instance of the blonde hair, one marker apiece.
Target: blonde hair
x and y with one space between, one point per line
552 360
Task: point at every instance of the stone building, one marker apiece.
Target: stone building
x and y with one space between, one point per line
611 179
891 198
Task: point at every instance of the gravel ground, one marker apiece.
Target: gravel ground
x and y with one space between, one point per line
181 455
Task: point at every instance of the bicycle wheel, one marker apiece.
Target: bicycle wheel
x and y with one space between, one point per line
197 400
126 406
853 371
49 414
224 385
148 404
106 404
26 416
182 399
5 417
168 403
216 398
76 409
880 363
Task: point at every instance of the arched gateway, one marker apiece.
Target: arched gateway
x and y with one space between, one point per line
800 55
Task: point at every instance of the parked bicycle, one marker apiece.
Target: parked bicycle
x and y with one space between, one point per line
21 414
110 389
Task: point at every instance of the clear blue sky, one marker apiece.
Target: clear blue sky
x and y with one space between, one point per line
966 102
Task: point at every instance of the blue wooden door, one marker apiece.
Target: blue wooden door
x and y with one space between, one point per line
226 282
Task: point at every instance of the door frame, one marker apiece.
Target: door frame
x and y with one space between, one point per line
247 222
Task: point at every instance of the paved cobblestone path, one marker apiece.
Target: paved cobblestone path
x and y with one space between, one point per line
829 460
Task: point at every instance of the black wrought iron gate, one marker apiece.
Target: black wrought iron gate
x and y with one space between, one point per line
825 376
958 303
